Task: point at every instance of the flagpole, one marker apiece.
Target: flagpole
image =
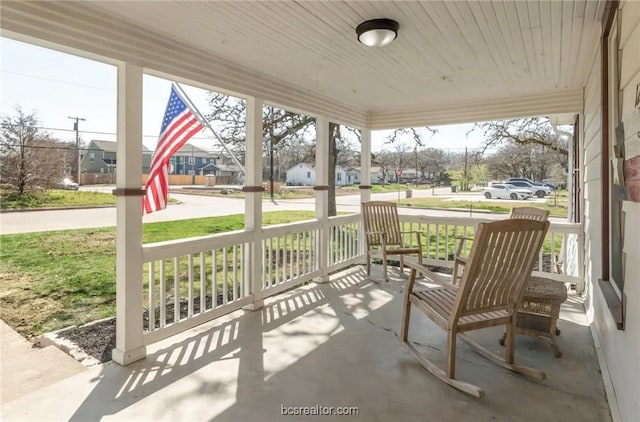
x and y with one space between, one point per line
206 123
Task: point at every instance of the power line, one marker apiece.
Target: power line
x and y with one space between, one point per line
57 129
57 80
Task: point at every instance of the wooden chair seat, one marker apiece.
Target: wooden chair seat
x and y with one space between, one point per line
439 303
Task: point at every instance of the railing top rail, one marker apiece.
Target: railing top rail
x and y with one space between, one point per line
290 228
556 226
179 247
341 219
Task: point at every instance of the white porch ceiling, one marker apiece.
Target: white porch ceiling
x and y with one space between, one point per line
447 52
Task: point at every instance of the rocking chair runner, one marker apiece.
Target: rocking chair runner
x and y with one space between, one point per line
524 213
384 236
495 276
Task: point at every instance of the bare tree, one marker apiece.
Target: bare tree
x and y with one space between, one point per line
534 162
416 136
279 126
434 162
529 131
29 158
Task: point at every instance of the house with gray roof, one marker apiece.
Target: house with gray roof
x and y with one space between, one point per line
100 157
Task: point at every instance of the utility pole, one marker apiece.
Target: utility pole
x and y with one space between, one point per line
465 183
75 128
416 153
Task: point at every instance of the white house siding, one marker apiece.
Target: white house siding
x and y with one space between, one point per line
619 348
341 177
353 176
592 141
301 175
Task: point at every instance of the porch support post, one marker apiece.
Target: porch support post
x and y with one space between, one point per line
322 196
129 337
365 165
365 179
253 202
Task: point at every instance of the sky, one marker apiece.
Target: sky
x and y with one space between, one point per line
56 86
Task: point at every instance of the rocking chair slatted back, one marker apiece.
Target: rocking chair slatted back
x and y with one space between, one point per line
381 217
384 235
499 266
529 213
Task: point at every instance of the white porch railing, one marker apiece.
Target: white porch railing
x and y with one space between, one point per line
345 246
558 259
190 281
194 280
290 256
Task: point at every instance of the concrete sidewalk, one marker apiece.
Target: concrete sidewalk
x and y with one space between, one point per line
25 369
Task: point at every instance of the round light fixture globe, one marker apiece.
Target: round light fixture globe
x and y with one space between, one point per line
377 32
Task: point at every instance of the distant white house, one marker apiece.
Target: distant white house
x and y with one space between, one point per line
352 175
301 175
304 174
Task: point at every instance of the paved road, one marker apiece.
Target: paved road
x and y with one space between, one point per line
194 206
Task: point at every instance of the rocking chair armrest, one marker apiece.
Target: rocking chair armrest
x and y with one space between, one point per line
418 237
417 233
462 240
430 275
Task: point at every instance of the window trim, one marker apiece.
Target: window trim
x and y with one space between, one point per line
613 299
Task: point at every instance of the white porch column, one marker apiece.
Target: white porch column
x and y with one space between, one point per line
253 200
365 165
129 340
322 195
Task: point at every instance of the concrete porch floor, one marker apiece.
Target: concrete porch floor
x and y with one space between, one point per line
334 344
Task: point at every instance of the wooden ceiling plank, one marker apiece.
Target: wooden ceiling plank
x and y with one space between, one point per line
491 30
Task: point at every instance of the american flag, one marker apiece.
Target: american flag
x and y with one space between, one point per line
178 126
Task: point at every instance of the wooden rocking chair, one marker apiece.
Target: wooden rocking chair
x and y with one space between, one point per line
384 237
496 274
525 213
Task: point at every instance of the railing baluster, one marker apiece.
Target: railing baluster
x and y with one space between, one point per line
437 241
297 254
224 277
203 287
290 249
270 273
163 300
235 272
214 278
152 300
243 249
176 289
284 259
190 286
277 269
553 253
304 252
446 242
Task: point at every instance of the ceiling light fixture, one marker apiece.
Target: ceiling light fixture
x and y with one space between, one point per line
377 32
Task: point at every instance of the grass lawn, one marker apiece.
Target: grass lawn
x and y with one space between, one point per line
390 187
557 206
55 279
56 198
